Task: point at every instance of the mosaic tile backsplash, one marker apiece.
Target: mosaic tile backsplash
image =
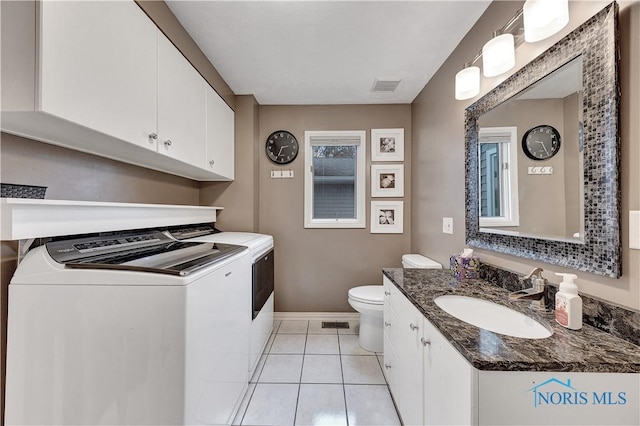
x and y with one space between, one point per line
616 320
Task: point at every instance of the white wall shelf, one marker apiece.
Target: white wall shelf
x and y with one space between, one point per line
23 218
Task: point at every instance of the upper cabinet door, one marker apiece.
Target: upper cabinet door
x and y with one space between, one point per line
181 106
220 136
98 67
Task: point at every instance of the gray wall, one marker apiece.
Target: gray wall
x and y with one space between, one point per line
438 149
315 268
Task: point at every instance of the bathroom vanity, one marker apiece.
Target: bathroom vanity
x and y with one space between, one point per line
442 370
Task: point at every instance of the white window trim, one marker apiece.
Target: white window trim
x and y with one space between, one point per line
509 178
360 220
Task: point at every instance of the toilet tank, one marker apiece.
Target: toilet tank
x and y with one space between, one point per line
419 261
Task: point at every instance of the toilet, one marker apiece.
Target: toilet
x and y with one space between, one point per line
368 300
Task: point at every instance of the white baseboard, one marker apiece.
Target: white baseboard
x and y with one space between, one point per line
317 316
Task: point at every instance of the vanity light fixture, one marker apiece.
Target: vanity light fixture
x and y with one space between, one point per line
498 55
544 18
467 83
537 20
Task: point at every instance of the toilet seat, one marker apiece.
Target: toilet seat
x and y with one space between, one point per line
369 294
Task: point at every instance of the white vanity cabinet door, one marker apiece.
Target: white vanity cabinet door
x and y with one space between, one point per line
220 136
449 382
406 340
98 67
403 353
181 106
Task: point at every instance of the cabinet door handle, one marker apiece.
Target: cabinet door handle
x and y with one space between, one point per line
424 341
387 293
211 163
387 366
229 273
412 327
152 137
386 324
167 143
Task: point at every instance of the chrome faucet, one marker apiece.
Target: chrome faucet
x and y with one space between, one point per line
537 293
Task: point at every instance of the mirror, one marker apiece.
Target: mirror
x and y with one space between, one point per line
530 160
542 156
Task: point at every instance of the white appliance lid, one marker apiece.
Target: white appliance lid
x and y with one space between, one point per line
368 294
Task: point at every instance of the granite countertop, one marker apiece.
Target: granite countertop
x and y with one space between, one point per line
585 350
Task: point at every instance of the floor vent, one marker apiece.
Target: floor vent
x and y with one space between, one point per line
335 324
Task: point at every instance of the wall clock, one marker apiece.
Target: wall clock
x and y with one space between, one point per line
541 142
281 147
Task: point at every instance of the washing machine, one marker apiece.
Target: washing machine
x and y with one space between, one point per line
263 282
128 328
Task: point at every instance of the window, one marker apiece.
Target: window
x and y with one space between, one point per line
498 176
334 179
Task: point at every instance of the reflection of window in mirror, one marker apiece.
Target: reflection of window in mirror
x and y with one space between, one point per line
498 176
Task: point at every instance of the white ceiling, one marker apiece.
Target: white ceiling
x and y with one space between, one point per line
327 52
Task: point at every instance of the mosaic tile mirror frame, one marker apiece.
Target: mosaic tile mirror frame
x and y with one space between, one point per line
600 249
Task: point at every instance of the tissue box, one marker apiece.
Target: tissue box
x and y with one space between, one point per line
464 267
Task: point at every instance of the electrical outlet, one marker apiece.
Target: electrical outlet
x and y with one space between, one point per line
447 225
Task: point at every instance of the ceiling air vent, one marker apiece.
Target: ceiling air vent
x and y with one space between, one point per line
385 85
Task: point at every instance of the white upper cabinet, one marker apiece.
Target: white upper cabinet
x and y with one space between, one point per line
181 106
99 77
220 136
98 67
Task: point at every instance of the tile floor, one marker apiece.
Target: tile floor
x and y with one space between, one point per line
314 376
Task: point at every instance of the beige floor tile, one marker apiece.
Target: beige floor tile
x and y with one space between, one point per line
349 345
272 404
370 405
321 405
244 404
258 370
322 344
282 369
321 369
288 344
358 369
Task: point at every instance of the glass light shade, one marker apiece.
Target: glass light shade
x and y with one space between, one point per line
498 55
544 18
467 83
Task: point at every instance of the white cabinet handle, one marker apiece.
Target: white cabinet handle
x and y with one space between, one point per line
412 327
424 341
229 273
387 366
167 143
386 324
387 293
211 163
152 137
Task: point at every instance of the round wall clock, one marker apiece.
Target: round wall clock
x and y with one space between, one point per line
281 147
541 142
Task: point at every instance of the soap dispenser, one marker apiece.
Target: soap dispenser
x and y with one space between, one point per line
568 303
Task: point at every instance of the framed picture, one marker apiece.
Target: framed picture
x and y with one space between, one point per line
386 217
387 180
387 144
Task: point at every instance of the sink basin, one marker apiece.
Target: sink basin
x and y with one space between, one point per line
493 317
